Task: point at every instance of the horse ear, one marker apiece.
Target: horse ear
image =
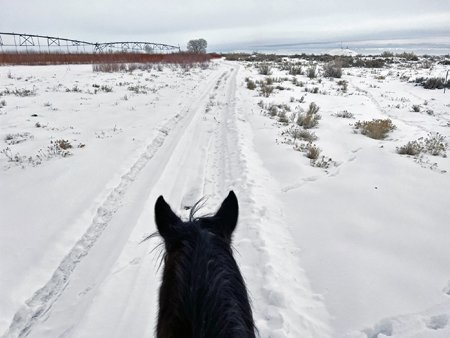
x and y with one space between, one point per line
227 215
165 218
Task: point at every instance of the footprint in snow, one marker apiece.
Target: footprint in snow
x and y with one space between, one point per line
274 297
384 327
274 317
437 322
447 289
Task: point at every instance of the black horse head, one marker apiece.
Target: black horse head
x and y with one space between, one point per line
202 292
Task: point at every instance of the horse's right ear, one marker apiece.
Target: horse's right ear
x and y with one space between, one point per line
165 219
227 216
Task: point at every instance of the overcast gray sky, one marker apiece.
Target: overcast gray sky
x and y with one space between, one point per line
231 23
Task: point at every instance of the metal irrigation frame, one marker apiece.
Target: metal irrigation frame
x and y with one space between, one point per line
41 41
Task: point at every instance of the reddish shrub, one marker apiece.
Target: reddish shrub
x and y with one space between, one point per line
32 58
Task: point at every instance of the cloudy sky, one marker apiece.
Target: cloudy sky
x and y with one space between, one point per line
230 24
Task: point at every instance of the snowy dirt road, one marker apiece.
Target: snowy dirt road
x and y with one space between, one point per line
106 284
355 246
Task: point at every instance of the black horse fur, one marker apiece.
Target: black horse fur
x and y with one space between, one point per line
202 294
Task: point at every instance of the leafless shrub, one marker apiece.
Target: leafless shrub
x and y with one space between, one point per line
250 84
311 118
295 70
264 69
311 150
30 58
412 148
138 89
109 67
408 56
56 149
11 139
311 72
344 114
269 81
434 144
323 162
63 144
19 92
333 69
266 90
377 128
300 134
282 117
132 67
433 82
344 85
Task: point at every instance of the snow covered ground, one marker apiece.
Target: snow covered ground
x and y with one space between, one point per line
353 246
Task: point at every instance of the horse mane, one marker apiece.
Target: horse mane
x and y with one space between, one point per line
202 293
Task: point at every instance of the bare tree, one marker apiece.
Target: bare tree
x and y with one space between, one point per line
197 46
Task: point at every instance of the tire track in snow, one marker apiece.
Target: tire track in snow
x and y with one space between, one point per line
41 302
39 305
283 303
133 282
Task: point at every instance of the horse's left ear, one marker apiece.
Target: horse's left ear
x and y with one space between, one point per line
166 220
227 215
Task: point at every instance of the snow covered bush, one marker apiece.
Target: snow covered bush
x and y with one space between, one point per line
295 70
19 92
412 148
56 149
311 118
269 80
273 110
311 150
344 85
323 162
301 134
264 69
333 69
250 84
17 138
103 88
433 83
408 56
387 54
282 117
435 145
109 67
63 144
138 89
311 72
344 114
377 128
266 90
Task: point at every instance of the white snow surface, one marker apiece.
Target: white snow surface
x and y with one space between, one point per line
342 51
360 249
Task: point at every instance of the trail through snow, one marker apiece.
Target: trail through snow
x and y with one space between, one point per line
357 250
106 285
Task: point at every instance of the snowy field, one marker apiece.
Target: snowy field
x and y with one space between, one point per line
354 243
